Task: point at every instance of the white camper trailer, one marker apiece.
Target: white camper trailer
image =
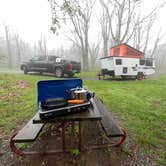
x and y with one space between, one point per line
127 67
126 61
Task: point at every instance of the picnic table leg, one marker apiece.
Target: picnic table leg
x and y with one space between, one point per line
63 136
13 147
122 139
80 136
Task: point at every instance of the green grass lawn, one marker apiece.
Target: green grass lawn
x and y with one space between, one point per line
140 106
88 74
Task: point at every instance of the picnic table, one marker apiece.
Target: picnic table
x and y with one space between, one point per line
96 112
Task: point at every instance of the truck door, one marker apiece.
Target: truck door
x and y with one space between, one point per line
51 63
33 63
41 63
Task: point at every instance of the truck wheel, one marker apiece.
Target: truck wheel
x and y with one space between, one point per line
25 70
58 72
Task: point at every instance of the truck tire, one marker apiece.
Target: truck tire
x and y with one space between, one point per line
25 69
59 72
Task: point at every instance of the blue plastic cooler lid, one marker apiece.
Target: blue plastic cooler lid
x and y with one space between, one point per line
56 88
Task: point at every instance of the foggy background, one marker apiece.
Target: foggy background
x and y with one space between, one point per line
25 30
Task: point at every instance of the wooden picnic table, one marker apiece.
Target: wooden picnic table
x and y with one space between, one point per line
96 112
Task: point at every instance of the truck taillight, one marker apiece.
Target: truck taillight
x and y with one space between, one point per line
70 66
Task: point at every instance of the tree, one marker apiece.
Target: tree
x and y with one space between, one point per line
79 13
80 35
120 15
18 48
8 46
143 29
126 24
105 31
42 45
94 49
60 11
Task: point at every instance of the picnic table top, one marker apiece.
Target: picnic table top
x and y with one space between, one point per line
89 114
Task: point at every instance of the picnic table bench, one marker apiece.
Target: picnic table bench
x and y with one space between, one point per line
96 112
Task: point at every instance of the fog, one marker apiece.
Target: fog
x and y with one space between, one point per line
25 32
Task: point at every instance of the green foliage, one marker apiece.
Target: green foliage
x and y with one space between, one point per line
23 146
66 8
128 152
162 157
69 7
74 152
75 131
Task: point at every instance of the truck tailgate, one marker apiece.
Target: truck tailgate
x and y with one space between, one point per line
76 65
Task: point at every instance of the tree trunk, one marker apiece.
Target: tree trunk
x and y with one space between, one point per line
86 65
105 43
10 65
18 51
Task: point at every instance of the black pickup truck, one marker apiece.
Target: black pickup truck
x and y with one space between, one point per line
51 64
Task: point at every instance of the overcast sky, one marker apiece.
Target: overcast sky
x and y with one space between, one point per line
32 18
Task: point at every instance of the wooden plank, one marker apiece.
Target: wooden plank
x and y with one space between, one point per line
29 132
108 123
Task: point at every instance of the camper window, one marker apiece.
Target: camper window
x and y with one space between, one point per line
118 61
149 62
142 62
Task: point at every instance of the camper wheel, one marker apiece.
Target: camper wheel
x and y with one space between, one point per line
140 76
123 77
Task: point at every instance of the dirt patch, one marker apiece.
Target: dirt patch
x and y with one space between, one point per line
23 84
92 134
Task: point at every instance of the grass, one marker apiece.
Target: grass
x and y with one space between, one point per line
17 100
88 74
140 106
